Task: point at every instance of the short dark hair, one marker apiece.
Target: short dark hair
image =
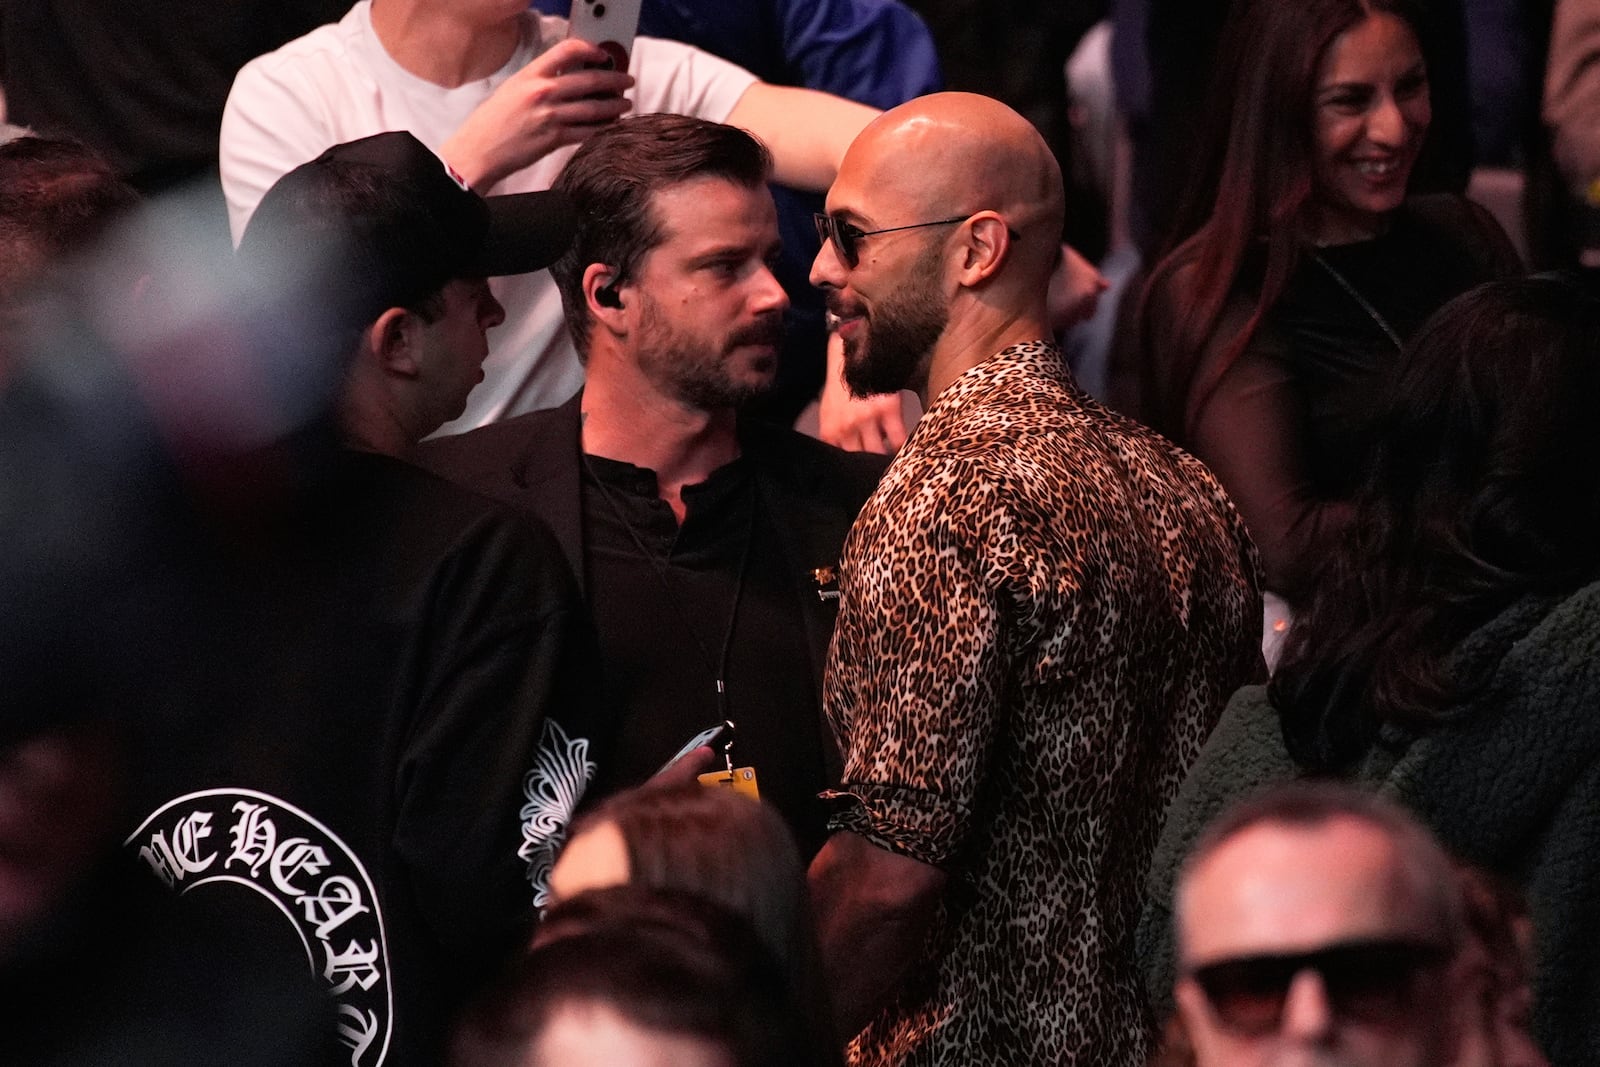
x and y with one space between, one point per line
663 960
58 198
613 179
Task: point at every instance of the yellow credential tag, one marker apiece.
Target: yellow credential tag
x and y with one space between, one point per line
740 780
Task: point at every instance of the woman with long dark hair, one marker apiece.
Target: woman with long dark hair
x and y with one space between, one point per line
1269 333
1450 649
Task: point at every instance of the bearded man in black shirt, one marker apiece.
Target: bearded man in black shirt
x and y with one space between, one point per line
705 544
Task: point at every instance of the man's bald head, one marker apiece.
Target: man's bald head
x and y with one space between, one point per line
952 152
943 228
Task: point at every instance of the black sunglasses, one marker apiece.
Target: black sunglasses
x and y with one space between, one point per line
844 235
1369 981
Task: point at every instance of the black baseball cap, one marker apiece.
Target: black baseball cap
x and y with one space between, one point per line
395 223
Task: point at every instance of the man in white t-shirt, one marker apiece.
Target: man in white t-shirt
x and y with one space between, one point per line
500 93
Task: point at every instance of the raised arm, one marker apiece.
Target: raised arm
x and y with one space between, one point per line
549 104
807 131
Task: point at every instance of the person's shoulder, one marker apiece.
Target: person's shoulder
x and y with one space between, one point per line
984 455
803 454
1170 472
440 516
1169 295
485 442
1134 436
1059 446
674 76
1021 402
490 455
1462 231
1552 632
1448 216
435 499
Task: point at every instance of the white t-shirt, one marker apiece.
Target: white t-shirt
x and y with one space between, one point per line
337 84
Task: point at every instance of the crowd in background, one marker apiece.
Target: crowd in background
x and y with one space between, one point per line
876 533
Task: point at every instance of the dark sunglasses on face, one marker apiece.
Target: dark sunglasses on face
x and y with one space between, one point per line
844 236
1366 981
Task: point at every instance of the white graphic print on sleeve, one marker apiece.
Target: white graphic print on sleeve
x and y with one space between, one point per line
560 774
307 873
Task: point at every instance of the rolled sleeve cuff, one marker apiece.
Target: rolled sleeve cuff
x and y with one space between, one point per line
911 822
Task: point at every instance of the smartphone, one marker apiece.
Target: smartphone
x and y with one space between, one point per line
611 24
715 736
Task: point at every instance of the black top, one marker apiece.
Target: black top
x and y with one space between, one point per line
121 971
1339 351
377 731
1288 428
680 607
808 493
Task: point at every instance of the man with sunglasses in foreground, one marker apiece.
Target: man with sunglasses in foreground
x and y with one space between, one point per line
1320 926
1044 609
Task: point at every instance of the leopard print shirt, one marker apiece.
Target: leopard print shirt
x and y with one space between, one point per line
1044 609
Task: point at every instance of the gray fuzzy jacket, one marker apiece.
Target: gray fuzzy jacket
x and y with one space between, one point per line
1510 780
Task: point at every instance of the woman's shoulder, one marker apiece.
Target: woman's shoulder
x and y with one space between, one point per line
1540 641
1445 209
1554 648
1539 664
1460 226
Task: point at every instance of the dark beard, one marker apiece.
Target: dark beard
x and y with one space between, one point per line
900 334
700 379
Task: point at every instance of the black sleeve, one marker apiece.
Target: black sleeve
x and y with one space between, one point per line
1249 430
507 739
1251 433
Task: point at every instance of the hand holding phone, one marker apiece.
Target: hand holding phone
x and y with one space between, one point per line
611 25
560 98
716 738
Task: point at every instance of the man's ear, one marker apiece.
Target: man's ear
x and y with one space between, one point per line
602 296
987 243
391 342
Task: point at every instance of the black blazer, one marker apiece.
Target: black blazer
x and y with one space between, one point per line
811 489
